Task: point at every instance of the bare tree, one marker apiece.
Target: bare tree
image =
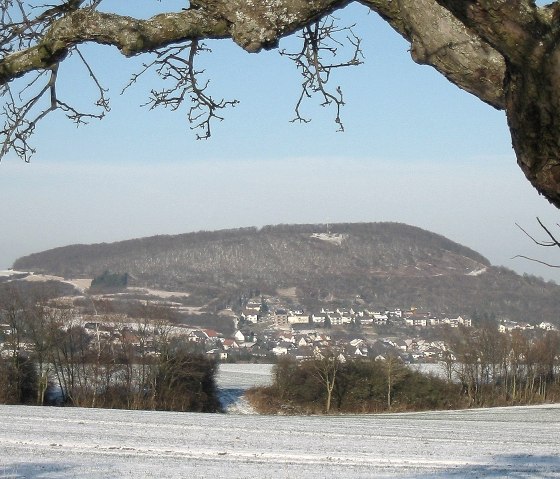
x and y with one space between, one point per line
394 373
13 310
71 356
505 52
326 367
41 323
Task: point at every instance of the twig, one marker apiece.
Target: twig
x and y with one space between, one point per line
316 62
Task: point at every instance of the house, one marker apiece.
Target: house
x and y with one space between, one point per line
280 316
458 321
212 335
259 351
254 304
218 354
298 318
239 336
417 313
400 344
366 319
319 318
287 337
338 319
323 337
197 336
380 318
303 329
230 344
506 326
302 353
280 351
250 315
418 321
361 351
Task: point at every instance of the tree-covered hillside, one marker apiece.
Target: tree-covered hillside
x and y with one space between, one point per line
384 264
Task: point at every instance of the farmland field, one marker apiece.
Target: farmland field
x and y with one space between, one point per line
521 442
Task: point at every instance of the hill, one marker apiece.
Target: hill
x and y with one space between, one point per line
378 264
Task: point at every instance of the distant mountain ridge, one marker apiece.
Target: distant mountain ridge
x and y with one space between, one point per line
374 263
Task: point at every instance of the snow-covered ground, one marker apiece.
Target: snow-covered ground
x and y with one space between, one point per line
92 443
234 379
244 376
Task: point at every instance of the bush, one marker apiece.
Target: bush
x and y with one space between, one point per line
18 381
108 281
185 382
361 386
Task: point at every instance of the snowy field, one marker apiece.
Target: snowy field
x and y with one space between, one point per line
234 379
92 443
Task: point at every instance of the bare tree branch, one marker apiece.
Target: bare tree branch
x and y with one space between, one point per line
38 38
536 261
177 65
506 52
322 42
23 114
553 242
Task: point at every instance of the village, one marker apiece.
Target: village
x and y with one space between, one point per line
259 328
264 330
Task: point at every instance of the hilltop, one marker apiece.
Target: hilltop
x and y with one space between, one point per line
380 264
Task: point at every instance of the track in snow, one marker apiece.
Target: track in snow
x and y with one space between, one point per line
234 379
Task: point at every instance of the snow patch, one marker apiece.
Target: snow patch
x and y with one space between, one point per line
333 238
159 293
80 284
6 273
477 272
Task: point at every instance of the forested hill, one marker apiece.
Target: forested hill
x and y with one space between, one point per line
388 264
275 254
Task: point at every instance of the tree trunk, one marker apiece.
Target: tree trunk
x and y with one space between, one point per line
329 398
389 395
533 113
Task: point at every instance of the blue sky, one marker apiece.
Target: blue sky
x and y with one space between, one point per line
416 149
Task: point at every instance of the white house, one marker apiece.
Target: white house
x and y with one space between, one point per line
239 336
298 318
280 351
319 318
250 316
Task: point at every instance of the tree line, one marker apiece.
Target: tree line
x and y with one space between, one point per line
48 357
516 367
481 368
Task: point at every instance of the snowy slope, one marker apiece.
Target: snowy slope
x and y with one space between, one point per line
88 443
234 379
